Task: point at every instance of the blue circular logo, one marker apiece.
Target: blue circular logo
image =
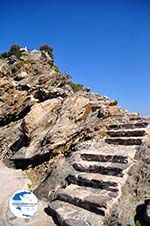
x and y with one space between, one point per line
23 204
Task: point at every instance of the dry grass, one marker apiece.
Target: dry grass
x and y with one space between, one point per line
85 114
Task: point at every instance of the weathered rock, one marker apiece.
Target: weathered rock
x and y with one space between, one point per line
102 113
96 156
36 126
55 180
94 180
131 207
147 211
115 169
63 136
126 133
22 75
70 215
88 198
51 92
35 55
75 109
128 125
124 141
18 113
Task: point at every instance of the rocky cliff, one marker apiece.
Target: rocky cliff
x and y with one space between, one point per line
82 153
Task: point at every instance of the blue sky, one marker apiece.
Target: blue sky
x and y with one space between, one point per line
103 44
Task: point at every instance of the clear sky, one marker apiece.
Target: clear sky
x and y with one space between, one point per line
103 44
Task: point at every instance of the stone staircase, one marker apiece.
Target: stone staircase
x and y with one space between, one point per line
97 177
126 134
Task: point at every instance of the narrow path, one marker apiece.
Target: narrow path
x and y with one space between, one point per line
12 180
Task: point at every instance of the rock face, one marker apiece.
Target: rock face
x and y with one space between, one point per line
78 148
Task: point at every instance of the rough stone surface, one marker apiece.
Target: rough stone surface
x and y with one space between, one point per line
131 207
65 213
87 159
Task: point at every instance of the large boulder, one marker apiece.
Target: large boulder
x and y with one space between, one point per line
37 123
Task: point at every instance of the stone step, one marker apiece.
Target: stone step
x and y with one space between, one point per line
135 117
127 152
94 200
126 133
124 141
128 125
94 180
103 157
66 214
106 168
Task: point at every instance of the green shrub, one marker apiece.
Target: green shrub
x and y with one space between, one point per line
47 49
14 50
56 69
27 61
76 87
5 55
138 223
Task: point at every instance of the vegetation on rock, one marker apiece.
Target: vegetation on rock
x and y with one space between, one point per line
14 50
48 49
76 87
71 142
56 68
